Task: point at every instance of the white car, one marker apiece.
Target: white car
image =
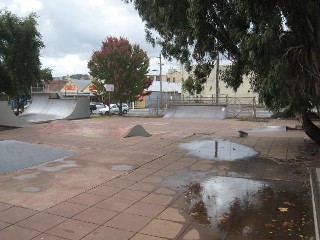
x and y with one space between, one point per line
113 109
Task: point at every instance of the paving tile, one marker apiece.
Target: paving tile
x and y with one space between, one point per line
144 171
158 199
152 179
66 209
87 199
165 191
4 206
128 222
72 229
201 167
15 214
96 215
115 204
4 225
155 165
133 177
175 215
197 232
47 237
106 233
140 236
41 222
103 190
141 186
157 226
130 195
163 173
145 209
118 183
17 233
173 167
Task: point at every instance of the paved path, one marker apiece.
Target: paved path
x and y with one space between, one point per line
127 188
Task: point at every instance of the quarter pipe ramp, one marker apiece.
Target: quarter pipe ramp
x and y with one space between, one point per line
43 108
196 111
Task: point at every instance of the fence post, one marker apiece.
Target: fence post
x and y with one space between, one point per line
157 105
254 107
234 106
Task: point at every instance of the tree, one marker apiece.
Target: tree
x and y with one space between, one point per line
80 76
276 43
20 45
46 74
122 64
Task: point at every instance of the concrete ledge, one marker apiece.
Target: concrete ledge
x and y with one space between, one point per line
315 189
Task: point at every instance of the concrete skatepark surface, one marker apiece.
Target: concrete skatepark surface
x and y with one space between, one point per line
42 108
151 188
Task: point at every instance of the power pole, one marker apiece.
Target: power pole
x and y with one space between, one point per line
217 80
160 80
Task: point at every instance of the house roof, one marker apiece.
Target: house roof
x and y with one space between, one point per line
55 85
81 84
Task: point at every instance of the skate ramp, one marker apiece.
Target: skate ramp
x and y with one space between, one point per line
196 111
8 118
137 130
44 108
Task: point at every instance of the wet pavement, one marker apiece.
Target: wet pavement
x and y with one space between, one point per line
193 179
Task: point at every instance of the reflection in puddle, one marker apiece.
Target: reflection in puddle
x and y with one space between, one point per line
27 176
252 209
61 164
218 149
270 129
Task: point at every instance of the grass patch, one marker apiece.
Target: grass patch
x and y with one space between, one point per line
99 116
254 119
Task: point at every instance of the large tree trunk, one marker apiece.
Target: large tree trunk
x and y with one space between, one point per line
310 129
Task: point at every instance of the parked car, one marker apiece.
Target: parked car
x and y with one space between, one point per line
96 106
114 109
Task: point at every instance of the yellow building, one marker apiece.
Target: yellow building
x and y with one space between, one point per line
244 92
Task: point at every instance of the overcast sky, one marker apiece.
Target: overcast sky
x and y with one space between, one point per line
72 29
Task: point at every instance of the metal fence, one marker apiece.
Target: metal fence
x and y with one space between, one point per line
236 106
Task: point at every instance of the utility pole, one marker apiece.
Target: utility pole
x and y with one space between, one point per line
217 80
160 81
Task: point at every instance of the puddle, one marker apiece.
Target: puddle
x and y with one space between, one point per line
270 129
218 149
17 155
249 209
30 189
121 167
61 165
27 176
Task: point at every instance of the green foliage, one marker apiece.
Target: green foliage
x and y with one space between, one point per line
276 43
122 64
46 74
192 85
80 76
20 45
100 91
